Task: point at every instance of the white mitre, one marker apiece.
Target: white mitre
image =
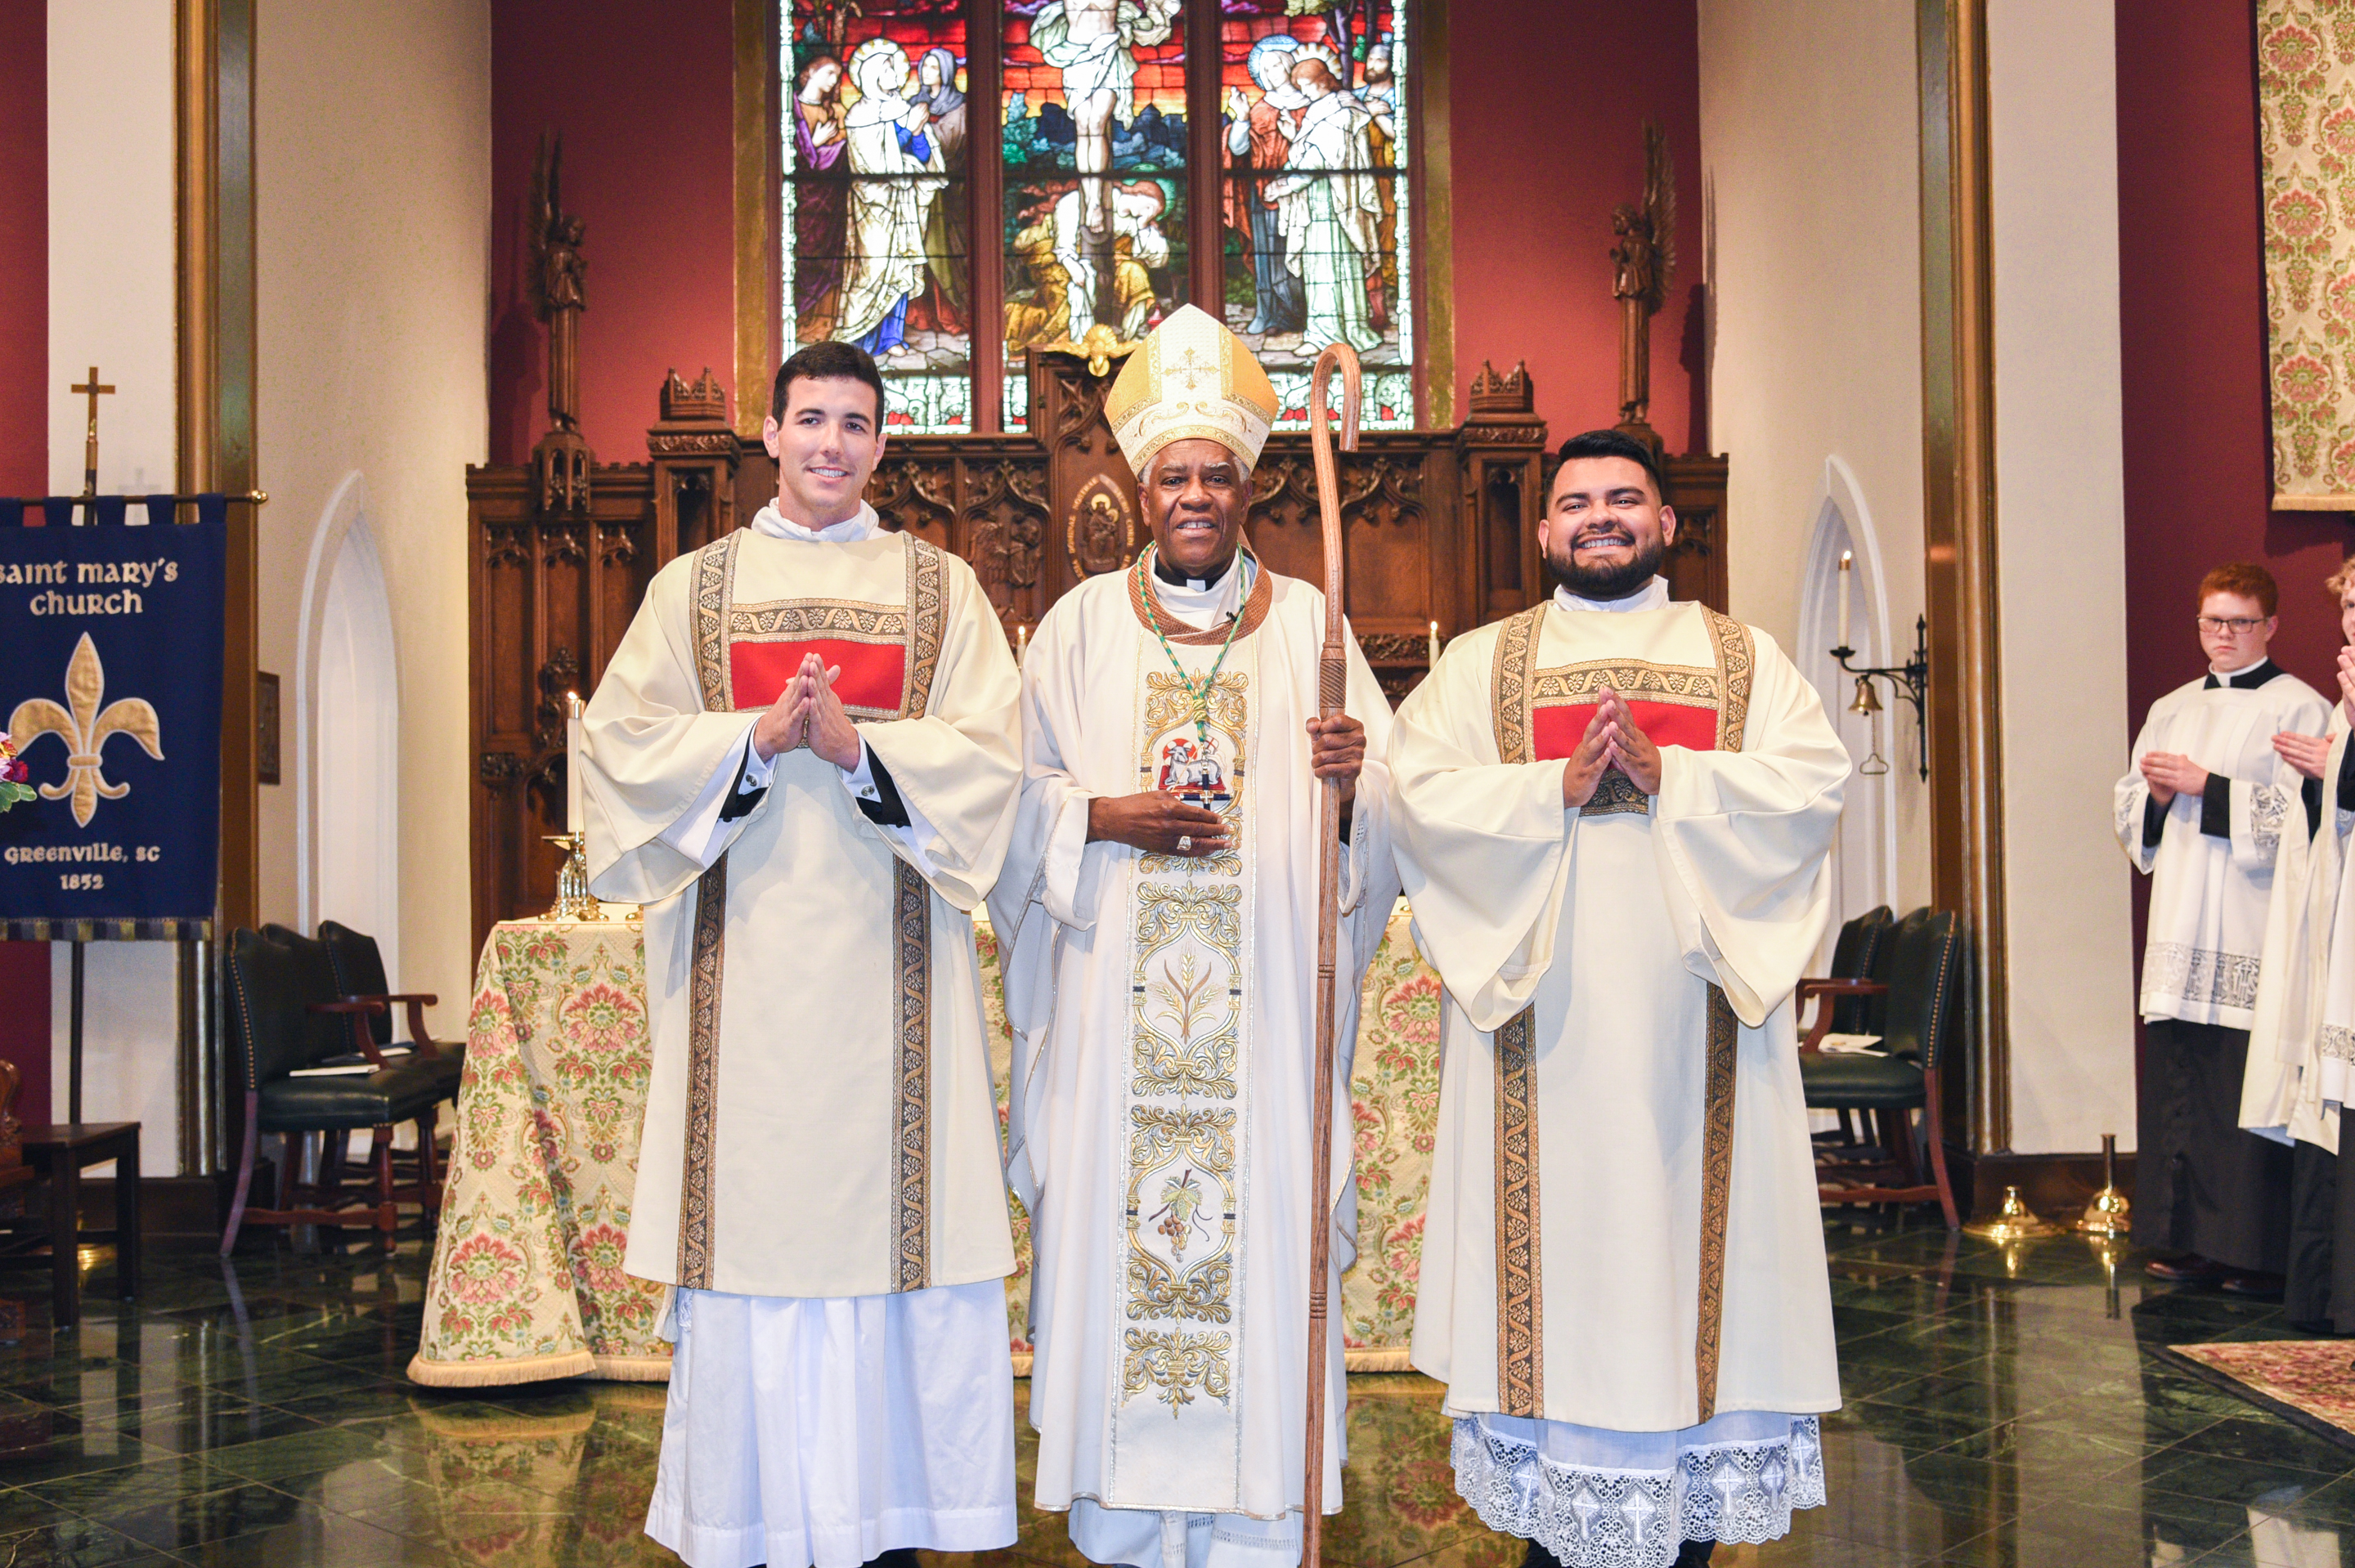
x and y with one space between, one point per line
1191 380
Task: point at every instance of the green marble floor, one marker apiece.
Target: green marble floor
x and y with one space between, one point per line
2002 1409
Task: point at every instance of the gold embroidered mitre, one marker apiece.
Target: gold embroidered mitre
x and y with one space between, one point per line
1192 380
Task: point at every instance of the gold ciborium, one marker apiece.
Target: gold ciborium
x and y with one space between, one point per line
2107 1215
572 900
2013 1220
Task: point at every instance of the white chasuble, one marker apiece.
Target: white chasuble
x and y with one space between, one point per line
819 1121
2211 860
1622 1279
2291 1089
1163 1010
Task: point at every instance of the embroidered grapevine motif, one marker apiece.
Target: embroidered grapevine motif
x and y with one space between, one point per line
1177 1364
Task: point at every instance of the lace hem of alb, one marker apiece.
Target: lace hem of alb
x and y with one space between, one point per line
1637 1519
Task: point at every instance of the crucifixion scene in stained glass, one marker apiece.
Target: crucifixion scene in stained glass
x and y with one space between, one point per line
1095 215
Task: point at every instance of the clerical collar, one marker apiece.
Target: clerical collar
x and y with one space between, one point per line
1176 578
850 529
2248 679
1653 595
1201 605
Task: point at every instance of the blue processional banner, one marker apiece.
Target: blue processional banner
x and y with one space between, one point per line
110 689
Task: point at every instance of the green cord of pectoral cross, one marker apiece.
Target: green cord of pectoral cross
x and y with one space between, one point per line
1200 693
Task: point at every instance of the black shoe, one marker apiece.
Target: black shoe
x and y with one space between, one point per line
1695 1553
2253 1286
1538 1557
2189 1268
898 1557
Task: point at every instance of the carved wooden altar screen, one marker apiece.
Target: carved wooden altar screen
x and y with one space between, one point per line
1440 526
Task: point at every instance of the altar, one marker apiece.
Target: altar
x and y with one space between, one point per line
526 1281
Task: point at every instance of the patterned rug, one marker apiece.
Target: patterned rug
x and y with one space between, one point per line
2310 1381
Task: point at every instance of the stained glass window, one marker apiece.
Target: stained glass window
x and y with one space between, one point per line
1313 143
876 202
1101 216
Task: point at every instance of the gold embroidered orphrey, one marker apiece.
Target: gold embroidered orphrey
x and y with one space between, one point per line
720 621
1517 687
1186 1102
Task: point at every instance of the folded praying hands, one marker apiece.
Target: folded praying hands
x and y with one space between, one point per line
807 712
1611 740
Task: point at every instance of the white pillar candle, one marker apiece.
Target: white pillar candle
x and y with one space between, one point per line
572 755
1847 559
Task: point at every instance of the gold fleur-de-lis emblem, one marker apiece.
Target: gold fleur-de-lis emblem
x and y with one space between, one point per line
82 725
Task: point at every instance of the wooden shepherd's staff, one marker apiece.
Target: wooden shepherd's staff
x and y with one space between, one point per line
1333 685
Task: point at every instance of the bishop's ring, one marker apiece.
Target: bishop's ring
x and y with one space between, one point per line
1185 843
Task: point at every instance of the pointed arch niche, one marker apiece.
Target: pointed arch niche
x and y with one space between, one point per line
347 756
1864 858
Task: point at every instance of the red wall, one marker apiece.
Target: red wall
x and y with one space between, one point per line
24 437
2193 308
643 96
1563 109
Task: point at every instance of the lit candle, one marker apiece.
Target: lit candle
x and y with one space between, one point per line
1847 558
572 755
1021 641
1434 645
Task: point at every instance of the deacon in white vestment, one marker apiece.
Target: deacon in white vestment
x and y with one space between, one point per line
802 760
1159 922
2201 811
2296 1079
1614 815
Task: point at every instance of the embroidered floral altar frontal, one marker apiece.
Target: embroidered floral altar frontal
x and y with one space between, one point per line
526 1281
2305 101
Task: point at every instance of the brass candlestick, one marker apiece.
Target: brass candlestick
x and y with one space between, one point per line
2107 1214
572 899
2013 1220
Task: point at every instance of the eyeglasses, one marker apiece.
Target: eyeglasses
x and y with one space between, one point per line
2239 626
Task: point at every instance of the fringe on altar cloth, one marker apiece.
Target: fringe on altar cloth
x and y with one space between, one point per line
1741 1488
537 1369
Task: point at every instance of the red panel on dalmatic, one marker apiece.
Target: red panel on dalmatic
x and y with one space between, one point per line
872 673
1559 729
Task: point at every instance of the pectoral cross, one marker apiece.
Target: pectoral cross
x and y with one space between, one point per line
92 388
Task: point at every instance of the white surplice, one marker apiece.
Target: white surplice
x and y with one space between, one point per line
2209 891
1163 1011
1622 1280
817 1174
2291 1091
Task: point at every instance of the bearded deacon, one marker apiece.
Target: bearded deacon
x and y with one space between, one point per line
1159 914
1615 818
802 762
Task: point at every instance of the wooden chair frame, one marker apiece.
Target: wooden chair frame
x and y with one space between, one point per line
327 1201
1901 1163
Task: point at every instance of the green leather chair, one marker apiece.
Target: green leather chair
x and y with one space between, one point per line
286 1011
1921 1005
359 975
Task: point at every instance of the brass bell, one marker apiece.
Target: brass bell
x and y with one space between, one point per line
1868 701
2013 1220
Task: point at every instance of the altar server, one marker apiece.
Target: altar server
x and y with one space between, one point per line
1159 911
2201 811
1615 818
802 761
2299 1063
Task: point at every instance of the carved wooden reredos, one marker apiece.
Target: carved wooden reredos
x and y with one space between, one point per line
1440 526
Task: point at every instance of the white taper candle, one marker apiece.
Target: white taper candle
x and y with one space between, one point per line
1847 559
572 758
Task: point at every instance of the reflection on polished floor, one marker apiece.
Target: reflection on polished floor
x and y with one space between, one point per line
2003 1408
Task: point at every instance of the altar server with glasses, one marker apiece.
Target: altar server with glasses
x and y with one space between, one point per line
2201 811
1615 816
1159 921
802 761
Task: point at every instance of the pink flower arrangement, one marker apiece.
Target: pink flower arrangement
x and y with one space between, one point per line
16 778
